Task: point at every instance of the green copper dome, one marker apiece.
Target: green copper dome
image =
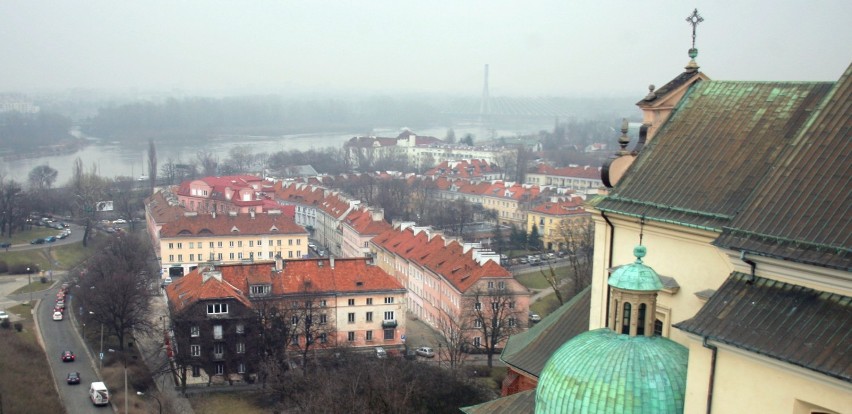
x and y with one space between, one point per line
636 276
601 371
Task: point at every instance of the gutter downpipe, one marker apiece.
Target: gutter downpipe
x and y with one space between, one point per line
713 350
609 260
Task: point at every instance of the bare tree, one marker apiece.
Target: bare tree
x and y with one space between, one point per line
208 162
241 158
42 178
13 210
152 164
578 240
454 341
89 189
126 200
312 323
494 316
116 287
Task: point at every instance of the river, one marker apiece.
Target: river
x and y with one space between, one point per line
112 159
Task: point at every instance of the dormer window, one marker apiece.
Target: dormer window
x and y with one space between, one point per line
217 308
260 290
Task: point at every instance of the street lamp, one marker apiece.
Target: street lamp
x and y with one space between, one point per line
159 404
101 354
123 358
29 284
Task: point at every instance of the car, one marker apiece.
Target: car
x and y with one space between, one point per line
3 315
523 260
50 239
381 353
37 241
68 356
166 281
58 309
5 245
61 236
60 303
534 317
73 378
57 316
425 351
410 354
119 221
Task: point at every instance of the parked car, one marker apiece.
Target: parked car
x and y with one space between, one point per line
119 221
3 315
425 351
68 356
534 317
5 245
410 354
73 378
37 241
50 239
57 316
381 353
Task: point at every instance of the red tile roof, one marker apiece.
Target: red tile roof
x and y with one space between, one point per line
588 172
192 288
206 225
562 207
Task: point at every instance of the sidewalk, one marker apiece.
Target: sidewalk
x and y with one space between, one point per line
153 353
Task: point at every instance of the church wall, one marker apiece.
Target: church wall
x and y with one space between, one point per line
749 383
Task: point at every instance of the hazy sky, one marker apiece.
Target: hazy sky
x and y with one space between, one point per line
534 47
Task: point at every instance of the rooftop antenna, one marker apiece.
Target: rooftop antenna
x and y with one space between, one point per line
693 19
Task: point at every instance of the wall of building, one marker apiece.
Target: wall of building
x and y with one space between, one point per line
185 251
361 325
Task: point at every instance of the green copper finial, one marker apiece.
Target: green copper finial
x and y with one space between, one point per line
639 252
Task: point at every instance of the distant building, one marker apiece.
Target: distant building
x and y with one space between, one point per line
240 193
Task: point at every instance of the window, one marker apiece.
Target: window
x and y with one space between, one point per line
220 368
298 242
350 336
511 322
217 308
219 256
369 336
194 332
231 243
351 317
323 338
501 285
258 290
218 350
217 332
351 302
171 245
195 350
625 324
323 303
289 255
171 258
388 300
294 339
323 319
180 245
239 243
477 306
196 371
640 326
389 334
477 324
211 245
477 342
241 329
241 347
658 328
294 319
289 242
369 301
369 316
231 256
218 244
270 242
494 306
191 257
241 368
490 285
389 316
279 242
251 243
259 243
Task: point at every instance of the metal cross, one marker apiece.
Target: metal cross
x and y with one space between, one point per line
694 19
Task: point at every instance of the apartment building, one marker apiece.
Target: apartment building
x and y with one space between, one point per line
557 219
240 193
220 313
447 279
191 239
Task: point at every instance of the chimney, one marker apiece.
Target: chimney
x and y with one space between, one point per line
232 213
251 213
213 213
331 261
279 262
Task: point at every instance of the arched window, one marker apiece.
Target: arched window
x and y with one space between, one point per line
640 328
625 319
658 328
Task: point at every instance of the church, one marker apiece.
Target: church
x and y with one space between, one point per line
739 194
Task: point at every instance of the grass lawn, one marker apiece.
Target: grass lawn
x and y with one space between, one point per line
26 257
34 286
226 403
66 255
25 370
533 280
545 305
26 236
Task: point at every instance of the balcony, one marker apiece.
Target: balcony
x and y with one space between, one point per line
390 323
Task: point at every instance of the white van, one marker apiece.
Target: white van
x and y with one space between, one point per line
98 393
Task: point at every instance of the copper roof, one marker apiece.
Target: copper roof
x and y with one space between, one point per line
791 323
529 351
720 142
803 210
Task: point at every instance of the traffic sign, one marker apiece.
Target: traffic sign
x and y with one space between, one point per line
101 355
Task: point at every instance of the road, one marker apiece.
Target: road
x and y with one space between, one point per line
75 237
59 336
